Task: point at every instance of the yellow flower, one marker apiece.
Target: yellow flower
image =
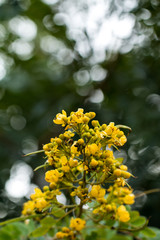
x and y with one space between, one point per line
61 235
53 176
61 118
63 160
77 117
97 192
68 134
73 163
77 224
28 208
92 149
129 199
65 168
93 163
122 140
74 150
122 214
38 194
41 203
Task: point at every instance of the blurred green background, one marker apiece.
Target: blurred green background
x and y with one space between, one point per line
100 55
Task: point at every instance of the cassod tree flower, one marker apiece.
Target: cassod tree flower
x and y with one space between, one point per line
82 165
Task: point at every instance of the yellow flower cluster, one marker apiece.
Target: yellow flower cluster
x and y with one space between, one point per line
76 224
82 164
40 200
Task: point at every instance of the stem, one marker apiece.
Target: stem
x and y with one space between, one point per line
19 219
147 192
84 185
28 154
70 206
91 177
66 214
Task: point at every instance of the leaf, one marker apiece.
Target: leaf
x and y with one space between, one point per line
48 221
148 232
92 236
5 235
58 212
121 237
40 231
110 222
139 222
10 230
157 232
133 216
109 233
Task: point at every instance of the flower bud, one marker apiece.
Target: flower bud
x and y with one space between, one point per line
81 141
95 123
117 172
124 167
126 174
45 188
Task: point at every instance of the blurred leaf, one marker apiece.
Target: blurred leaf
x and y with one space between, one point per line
58 212
139 222
148 232
40 231
133 216
93 236
121 237
48 221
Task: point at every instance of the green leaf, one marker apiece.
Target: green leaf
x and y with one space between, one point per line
5 235
134 215
48 221
92 236
40 231
157 232
108 233
110 222
148 232
121 237
140 221
58 212
10 230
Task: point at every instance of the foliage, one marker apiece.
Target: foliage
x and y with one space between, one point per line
83 167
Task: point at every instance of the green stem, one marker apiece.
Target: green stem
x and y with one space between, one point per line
91 177
28 154
147 192
19 219
66 214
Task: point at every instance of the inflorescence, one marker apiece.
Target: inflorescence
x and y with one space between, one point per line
82 165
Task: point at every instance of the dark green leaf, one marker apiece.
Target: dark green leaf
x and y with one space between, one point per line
93 236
